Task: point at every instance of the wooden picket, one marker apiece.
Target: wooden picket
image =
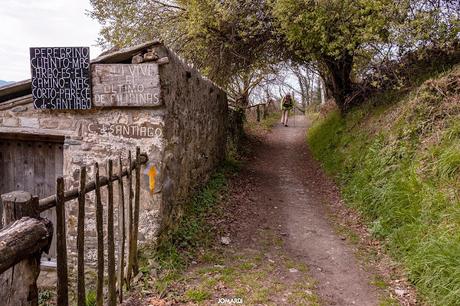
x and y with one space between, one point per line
121 232
110 239
128 227
100 241
81 295
61 245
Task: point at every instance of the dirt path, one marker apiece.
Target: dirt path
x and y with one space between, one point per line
292 183
276 241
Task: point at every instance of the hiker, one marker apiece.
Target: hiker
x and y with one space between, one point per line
287 103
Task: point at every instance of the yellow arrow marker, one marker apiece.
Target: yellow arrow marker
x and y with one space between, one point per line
152 174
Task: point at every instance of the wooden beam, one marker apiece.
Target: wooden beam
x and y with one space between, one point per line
18 285
33 137
14 90
50 202
130 224
23 238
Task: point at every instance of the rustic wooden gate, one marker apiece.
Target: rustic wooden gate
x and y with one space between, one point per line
32 164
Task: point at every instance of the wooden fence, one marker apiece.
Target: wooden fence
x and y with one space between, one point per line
261 111
127 235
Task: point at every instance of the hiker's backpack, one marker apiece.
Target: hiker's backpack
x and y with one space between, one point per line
287 103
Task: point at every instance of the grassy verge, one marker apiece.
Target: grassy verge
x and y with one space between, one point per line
247 275
399 164
163 265
264 125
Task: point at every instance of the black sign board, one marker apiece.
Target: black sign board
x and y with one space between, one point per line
61 78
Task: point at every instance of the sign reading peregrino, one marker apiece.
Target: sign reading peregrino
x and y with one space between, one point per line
61 77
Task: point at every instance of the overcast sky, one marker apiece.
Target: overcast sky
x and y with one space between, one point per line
41 23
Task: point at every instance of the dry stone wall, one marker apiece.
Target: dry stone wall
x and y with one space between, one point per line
196 117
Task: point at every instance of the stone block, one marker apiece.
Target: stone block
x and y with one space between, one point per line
137 59
49 123
72 142
19 109
85 147
29 122
66 124
10 122
150 56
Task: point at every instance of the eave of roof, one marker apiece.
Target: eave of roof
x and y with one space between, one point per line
23 88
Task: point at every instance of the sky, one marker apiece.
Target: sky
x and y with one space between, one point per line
42 23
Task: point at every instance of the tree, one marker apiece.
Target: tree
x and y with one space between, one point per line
229 41
232 41
332 32
344 36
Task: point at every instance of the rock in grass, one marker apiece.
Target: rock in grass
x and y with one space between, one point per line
225 240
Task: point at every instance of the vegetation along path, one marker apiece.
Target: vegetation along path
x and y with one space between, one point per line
276 241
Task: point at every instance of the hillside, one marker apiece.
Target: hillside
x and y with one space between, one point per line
397 160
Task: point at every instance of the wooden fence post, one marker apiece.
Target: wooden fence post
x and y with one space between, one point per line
136 210
112 301
18 285
130 222
61 246
121 232
81 290
100 241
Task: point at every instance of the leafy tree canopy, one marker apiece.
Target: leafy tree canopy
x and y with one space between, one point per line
221 38
344 36
239 40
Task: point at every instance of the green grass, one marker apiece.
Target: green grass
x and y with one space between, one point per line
45 297
265 124
90 298
271 120
194 295
191 233
399 165
247 275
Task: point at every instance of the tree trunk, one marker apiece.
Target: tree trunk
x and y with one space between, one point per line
339 81
322 90
243 100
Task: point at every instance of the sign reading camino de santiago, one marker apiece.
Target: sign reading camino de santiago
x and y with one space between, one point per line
61 78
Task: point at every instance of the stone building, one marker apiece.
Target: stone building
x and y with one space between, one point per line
180 124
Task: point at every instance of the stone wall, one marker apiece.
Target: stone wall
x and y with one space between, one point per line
184 138
195 137
84 144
